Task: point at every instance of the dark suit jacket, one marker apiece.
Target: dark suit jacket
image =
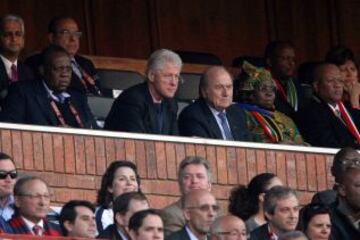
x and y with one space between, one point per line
110 233
179 235
320 127
134 111
198 120
35 61
19 227
24 74
282 105
28 102
260 233
342 228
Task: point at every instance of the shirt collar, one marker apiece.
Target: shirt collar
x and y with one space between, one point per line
8 64
30 224
191 235
53 96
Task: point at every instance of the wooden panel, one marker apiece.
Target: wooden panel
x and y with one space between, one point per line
224 28
121 28
307 24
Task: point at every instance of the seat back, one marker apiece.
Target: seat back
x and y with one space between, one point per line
199 58
100 107
117 80
188 90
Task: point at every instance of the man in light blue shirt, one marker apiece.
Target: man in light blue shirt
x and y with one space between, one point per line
8 175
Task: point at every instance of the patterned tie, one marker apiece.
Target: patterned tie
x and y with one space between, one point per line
37 230
225 127
14 73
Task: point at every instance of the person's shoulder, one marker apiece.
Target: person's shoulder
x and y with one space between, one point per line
178 235
193 108
82 59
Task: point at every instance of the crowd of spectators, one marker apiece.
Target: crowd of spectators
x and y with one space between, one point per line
51 89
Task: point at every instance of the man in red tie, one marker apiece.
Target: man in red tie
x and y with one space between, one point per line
32 201
12 40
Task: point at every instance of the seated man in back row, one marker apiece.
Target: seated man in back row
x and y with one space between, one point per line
64 31
213 115
150 107
327 121
48 101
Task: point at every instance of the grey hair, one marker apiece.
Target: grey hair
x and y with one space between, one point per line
292 235
274 194
19 187
11 18
160 57
194 160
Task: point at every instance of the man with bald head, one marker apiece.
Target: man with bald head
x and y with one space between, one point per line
213 115
64 32
228 227
327 121
200 210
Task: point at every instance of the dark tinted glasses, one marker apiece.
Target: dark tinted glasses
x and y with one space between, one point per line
4 174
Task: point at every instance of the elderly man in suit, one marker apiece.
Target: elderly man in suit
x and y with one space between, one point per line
194 173
150 107
49 101
200 210
213 115
327 121
12 32
32 201
64 32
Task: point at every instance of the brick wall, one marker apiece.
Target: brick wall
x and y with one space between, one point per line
72 161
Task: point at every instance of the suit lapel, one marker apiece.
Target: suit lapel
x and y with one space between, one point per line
210 118
4 79
151 118
44 103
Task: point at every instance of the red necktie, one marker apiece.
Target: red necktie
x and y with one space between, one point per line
14 73
37 230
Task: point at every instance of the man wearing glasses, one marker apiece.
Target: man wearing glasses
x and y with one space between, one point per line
8 175
228 228
64 31
150 107
49 102
200 210
12 31
32 201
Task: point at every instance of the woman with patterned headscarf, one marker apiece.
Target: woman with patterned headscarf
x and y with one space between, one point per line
255 92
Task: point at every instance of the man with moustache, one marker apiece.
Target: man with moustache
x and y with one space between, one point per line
12 39
327 121
64 31
49 101
150 107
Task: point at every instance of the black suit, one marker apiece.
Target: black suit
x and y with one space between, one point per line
282 105
198 120
260 233
110 232
24 74
179 235
320 127
29 103
35 61
134 111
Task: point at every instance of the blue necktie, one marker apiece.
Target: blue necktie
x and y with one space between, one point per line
225 127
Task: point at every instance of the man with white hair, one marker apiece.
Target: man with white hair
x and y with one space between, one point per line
150 107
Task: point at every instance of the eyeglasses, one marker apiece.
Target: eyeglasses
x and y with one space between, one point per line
60 69
206 207
36 196
4 174
67 33
233 233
